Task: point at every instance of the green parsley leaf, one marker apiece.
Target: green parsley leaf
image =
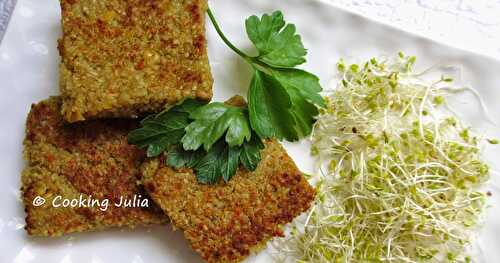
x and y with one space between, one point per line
277 42
214 120
229 162
177 157
221 161
303 89
164 129
250 153
269 108
282 105
208 169
305 83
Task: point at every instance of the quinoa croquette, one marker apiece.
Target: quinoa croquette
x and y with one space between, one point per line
124 58
91 159
227 221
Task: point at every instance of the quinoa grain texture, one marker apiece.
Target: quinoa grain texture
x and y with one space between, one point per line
227 221
124 58
88 159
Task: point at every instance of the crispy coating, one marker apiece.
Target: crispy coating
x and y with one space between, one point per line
88 159
123 58
227 221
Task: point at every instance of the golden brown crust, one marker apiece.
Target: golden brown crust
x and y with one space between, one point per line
228 221
88 159
122 58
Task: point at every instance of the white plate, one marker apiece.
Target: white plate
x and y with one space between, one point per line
28 73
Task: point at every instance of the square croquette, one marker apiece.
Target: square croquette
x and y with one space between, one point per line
92 160
227 221
122 58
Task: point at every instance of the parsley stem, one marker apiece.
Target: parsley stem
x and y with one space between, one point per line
228 43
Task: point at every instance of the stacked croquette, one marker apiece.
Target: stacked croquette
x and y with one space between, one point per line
88 159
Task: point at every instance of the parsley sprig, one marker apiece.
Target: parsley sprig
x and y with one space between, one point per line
282 100
215 138
181 131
